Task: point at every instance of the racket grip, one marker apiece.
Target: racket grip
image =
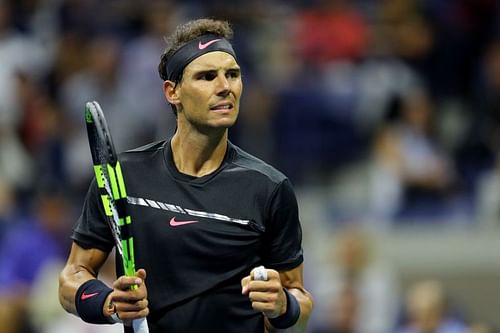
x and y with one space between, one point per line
140 325
260 273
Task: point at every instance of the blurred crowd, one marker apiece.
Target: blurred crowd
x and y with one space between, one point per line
391 107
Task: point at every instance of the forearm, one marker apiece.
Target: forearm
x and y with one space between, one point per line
83 265
70 279
306 305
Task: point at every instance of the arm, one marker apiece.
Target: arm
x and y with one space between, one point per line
82 266
293 281
269 298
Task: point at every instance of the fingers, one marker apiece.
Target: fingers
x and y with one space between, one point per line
126 282
129 311
131 306
271 303
129 296
258 279
128 316
262 297
267 296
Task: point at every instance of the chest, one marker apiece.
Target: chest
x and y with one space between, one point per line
217 223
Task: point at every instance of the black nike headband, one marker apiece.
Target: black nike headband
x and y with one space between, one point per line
194 49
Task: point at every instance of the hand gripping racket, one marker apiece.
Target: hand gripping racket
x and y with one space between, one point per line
111 185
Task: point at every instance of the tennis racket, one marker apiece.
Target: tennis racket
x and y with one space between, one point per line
112 190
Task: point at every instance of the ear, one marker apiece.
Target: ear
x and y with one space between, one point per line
171 92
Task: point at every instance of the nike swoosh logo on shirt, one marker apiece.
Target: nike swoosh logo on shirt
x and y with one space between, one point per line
86 296
175 223
202 46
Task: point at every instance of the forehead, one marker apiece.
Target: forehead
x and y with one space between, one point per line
212 61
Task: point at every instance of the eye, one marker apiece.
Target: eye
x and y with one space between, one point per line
208 76
233 74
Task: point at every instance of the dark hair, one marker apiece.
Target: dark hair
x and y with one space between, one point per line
186 32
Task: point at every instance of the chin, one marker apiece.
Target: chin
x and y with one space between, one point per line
225 124
226 120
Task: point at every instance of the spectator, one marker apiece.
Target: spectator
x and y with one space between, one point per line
46 313
427 310
331 31
488 197
357 293
414 176
28 245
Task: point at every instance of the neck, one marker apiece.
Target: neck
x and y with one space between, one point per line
198 154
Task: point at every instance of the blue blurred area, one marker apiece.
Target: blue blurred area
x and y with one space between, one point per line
384 114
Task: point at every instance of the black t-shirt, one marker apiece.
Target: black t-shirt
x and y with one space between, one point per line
197 237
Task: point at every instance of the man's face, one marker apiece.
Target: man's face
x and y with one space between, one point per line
210 91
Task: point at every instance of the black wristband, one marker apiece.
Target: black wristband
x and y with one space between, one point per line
292 314
89 301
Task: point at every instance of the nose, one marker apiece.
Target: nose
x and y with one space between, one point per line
223 86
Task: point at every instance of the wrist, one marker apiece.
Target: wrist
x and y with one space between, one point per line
291 314
90 300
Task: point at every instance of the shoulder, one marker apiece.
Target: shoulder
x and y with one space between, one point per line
251 164
150 147
141 152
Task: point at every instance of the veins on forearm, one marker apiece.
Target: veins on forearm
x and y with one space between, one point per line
69 281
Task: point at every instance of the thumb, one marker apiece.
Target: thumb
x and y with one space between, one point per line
141 273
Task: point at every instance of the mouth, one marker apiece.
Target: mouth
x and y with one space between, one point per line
222 107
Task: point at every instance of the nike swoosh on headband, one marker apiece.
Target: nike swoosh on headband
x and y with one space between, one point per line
202 46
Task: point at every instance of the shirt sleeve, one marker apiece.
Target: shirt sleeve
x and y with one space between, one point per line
282 248
91 229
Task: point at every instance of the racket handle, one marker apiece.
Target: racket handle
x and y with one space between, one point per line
140 325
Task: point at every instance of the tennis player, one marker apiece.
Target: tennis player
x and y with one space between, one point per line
205 215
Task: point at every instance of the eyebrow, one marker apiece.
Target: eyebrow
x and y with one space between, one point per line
206 71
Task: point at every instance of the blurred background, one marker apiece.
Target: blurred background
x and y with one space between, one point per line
385 114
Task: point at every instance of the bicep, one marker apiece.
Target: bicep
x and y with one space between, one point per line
85 260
